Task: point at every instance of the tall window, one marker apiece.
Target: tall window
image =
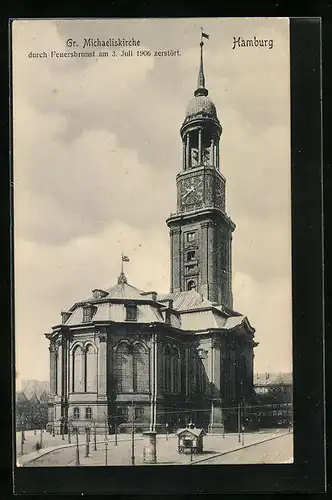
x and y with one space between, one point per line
132 367
176 371
88 413
140 368
201 377
124 368
78 369
76 413
167 369
90 372
172 370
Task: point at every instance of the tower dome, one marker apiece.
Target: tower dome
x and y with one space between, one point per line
202 105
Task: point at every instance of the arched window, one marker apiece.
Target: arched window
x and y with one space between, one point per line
132 367
172 369
124 367
78 369
176 370
191 285
201 382
76 413
90 369
140 368
167 358
88 413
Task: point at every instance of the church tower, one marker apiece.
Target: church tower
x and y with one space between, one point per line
200 230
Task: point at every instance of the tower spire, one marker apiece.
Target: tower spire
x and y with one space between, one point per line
201 90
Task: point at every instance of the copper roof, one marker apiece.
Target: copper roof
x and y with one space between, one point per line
122 291
183 301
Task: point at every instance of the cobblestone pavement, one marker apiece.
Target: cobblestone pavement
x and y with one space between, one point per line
167 453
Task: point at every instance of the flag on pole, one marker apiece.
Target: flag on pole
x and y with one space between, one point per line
204 35
125 258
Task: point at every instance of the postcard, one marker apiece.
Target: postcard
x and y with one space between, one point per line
152 242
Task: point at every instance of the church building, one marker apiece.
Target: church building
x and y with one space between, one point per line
124 356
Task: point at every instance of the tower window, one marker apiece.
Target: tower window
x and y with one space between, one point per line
191 285
191 255
131 312
191 267
191 237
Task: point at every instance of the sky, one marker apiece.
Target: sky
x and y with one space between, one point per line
96 149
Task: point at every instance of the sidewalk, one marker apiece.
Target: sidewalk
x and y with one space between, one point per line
49 447
167 450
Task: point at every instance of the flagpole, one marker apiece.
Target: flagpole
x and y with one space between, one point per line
122 263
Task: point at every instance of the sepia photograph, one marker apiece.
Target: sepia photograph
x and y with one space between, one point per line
152 242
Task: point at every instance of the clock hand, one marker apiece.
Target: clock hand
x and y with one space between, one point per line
188 192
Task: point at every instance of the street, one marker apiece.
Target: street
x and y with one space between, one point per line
270 452
275 449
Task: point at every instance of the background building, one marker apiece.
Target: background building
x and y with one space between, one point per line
274 399
125 354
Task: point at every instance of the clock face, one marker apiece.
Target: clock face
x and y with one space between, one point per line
192 190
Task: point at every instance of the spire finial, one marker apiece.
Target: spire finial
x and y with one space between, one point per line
201 90
122 278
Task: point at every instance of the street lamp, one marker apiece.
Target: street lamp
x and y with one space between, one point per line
77 461
22 442
95 437
86 442
239 421
69 435
106 444
133 434
115 434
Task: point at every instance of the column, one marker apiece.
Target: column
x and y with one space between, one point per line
52 369
184 154
229 271
176 259
212 152
152 381
50 412
200 147
204 252
102 368
102 408
217 155
213 296
188 153
59 367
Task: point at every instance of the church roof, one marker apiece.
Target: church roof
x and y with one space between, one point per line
122 290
